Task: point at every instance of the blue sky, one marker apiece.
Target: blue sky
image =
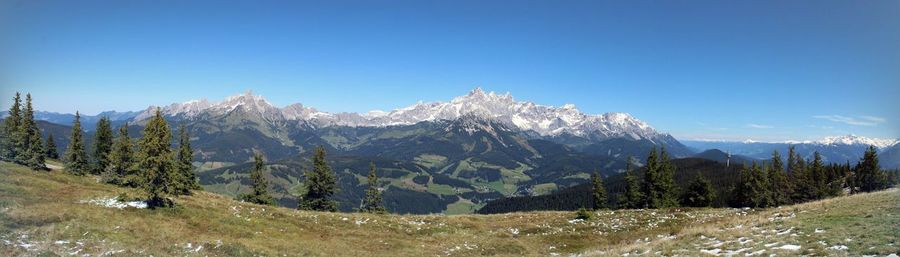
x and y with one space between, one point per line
764 70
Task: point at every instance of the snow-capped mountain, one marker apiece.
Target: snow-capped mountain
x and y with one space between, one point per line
526 116
857 140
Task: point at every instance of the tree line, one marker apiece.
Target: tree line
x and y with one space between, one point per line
152 163
764 184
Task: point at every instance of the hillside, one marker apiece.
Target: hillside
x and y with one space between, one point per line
50 213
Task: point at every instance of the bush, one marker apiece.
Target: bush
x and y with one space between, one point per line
583 214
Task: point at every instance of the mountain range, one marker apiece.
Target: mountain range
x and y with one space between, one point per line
432 157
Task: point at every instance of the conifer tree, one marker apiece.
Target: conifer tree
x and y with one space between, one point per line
103 138
260 191
50 148
156 162
372 202
633 197
816 175
666 190
781 187
12 145
121 168
33 151
76 160
185 163
867 174
699 193
752 189
320 184
598 192
648 188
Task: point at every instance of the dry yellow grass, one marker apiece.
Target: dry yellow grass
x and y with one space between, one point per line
45 214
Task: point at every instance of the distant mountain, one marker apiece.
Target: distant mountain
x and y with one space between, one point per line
723 157
837 149
890 157
88 122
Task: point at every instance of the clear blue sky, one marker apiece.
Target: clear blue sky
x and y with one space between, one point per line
766 70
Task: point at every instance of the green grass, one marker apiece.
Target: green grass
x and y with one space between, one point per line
42 214
541 189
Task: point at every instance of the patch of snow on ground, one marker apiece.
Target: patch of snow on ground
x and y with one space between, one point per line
788 247
115 203
838 247
712 251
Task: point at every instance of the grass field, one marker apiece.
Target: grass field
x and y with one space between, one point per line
51 214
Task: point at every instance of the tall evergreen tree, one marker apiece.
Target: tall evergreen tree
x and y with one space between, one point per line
103 140
666 190
598 192
321 184
50 148
185 163
76 160
699 193
752 190
816 174
867 174
121 169
12 145
648 188
781 187
260 193
372 202
632 197
33 151
156 162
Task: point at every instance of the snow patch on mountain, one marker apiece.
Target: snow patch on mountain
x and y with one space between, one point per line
545 120
857 140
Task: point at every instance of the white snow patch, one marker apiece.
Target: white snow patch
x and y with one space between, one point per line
112 202
838 247
788 247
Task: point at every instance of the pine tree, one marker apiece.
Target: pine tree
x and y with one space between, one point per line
50 148
648 188
598 192
185 163
12 145
76 159
121 168
156 162
633 197
816 174
372 202
752 188
103 138
867 174
667 192
699 193
33 151
781 187
321 184
260 193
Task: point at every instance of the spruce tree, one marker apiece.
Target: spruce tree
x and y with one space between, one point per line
50 150
33 151
816 174
666 190
76 160
648 188
320 184
185 163
12 145
867 174
633 197
103 138
781 187
156 162
752 188
598 192
121 169
260 191
699 193
372 202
